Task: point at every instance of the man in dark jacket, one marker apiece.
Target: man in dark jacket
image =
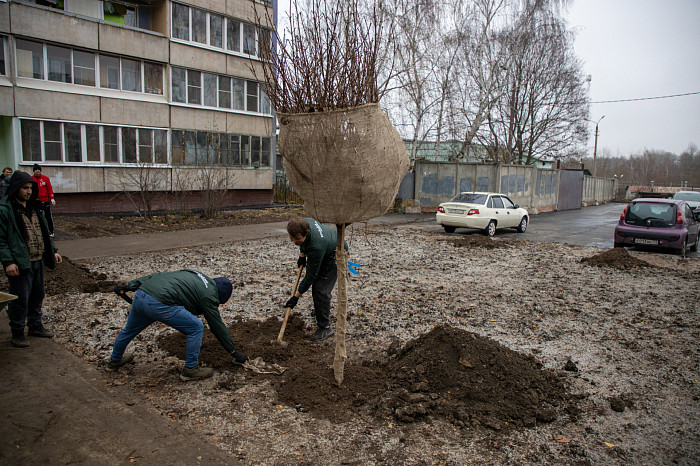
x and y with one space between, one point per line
176 299
5 180
25 248
317 244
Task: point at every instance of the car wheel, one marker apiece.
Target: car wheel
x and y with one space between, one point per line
490 229
449 229
522 226
694 248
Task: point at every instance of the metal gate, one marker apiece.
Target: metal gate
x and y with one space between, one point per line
570 189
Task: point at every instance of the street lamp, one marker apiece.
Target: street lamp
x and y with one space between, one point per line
595 144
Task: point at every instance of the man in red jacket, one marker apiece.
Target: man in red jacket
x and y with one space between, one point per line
45 195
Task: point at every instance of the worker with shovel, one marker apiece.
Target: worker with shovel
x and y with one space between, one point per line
176 299
317 243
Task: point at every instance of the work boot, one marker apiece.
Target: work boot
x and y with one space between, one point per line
18 339
113 365
322 333
196 373
39 331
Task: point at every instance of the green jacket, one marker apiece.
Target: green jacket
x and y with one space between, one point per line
318 247
191 289
13 245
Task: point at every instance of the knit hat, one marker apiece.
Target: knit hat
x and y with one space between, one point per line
224 287
36 167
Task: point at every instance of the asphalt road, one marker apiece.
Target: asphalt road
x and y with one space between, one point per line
592 226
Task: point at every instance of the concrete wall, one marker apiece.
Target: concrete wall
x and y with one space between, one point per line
533 188
598 190
43 24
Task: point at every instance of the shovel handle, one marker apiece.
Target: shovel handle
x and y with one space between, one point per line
287 309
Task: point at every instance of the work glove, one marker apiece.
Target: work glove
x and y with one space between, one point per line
292 302
53 201
121 292
238 357
301 262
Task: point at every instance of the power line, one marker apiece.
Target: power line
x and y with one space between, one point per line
644 98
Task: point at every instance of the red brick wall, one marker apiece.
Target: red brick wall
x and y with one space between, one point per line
95 203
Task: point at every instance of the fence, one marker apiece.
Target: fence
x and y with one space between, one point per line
284 193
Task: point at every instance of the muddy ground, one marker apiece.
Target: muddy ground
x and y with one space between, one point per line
458 352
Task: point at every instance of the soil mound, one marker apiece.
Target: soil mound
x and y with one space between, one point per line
449 373
617 258
69 277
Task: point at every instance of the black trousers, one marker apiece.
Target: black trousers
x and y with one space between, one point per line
28 286
321 290
46 207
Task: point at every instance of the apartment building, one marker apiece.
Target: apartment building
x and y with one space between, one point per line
116 98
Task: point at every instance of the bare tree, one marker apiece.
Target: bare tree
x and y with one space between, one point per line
140 185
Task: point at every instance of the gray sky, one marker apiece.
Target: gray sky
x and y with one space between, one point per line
636 49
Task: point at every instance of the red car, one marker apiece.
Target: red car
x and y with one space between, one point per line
659 223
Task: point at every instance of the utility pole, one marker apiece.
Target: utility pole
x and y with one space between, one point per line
595 144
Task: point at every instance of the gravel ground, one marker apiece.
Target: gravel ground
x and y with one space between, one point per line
620 335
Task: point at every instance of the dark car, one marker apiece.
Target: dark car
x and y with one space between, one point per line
659 223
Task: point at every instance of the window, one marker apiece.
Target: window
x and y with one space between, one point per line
203 148
265 106
224 92
109 72
31 140
201 157
30 59
111 143
199 26
194 87
233 35
265 153
238 94
129 145
507 203
255 151
153 78
160 145
52 141
245 150
177 146
224 143
252 94
83 68
128 13
181 21
210 89
190 147
145 145
179 86
497 202
72 136
235 150
216 31
249 39
2 55
131 75
92 143
59 63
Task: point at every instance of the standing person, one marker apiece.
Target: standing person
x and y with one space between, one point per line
25 247
176 299
5 180
317 244
45 195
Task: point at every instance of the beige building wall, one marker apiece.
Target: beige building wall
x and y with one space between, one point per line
124 41
44 24
133 112
4 17
36 103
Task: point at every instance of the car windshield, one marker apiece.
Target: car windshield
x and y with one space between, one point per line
687 196
470 198
652 214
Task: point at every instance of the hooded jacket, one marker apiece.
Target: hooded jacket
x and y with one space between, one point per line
13 243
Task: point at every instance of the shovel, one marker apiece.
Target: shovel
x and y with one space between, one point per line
279 340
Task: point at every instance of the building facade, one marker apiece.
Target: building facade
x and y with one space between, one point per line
156 97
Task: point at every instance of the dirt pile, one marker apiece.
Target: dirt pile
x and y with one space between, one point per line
69 277
449 373
477 240
617 258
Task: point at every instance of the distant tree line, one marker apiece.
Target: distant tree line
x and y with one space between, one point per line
662 167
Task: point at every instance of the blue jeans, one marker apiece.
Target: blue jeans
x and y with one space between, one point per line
29 288
145 310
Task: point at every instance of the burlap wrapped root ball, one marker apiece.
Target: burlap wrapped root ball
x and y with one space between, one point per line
347 164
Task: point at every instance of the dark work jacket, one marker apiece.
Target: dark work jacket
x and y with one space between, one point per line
13 243
191 289
318 247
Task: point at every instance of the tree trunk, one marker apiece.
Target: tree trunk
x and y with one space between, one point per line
341 260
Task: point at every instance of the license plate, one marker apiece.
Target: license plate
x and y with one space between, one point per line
646 241
455 211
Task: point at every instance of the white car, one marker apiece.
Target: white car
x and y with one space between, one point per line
484 211
692 198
